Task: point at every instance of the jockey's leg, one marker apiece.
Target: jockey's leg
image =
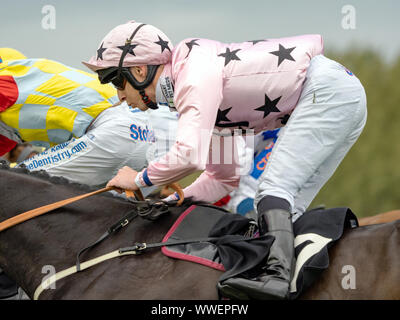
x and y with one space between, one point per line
312 186
328 119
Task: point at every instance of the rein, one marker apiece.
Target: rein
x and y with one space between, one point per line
44 209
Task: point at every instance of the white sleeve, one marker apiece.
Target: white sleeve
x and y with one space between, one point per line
96 157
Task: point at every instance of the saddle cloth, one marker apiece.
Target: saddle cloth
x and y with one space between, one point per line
315 232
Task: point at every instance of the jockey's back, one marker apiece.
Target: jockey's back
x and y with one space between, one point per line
271 72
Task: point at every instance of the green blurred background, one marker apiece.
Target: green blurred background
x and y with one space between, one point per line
368 178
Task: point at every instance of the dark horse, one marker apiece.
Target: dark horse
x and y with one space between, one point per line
27 250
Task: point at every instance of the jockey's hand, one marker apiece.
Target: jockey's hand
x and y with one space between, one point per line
124 180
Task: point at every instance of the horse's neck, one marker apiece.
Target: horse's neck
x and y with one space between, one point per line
54 239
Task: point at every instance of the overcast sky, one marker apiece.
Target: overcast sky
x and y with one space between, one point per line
80 25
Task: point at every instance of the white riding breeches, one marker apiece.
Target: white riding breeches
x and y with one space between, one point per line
328 119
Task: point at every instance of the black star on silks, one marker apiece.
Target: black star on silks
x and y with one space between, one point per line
163 44
283 54
269 106
130 48
256 41
221 116
284 119
229 55
100 52
190 45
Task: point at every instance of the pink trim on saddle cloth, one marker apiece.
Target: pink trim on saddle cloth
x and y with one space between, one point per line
187 257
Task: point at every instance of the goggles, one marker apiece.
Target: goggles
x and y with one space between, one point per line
113 75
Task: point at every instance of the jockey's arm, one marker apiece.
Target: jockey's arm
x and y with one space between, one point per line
198 94
220 177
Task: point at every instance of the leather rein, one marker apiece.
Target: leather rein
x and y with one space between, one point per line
50 207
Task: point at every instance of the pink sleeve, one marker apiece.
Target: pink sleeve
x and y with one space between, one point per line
218 179
197 96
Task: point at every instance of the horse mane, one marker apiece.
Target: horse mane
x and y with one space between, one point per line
43 175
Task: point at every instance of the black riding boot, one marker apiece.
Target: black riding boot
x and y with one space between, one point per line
274 282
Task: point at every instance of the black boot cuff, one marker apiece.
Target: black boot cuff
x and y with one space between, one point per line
271 202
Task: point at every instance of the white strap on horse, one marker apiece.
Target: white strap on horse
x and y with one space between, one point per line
85 265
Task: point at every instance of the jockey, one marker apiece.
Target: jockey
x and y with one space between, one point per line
88 136
259 85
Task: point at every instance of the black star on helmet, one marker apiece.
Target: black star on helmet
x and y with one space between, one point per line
190 45
130 48
162 43
229 55
283 54
100 52
269 106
